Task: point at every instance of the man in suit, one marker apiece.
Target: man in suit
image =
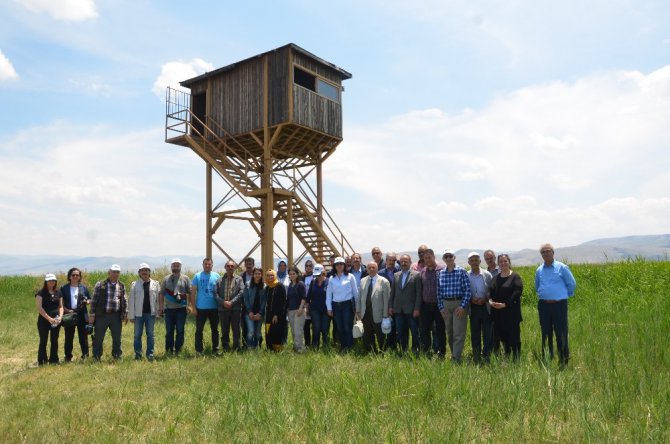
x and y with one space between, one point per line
372 306
405 304
229 298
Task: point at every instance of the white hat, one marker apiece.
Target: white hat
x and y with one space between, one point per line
358 329
339 260
50 277
448 251
144 265
318 269
115 267
387 325
472 253
175 261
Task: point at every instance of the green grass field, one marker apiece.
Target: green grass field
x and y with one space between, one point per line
616 388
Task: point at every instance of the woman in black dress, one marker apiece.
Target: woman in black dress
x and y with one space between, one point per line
49 304
275 311
506 306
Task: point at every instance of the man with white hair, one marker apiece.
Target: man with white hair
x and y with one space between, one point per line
143 306
554 283
172 304
109 306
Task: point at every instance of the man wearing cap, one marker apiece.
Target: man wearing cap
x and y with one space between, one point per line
203 304
554 283
143 306
109 306
372 307
316 299
172 302
453 300
405 304
432 330
229 297
480 311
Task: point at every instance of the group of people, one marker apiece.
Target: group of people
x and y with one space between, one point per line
385 302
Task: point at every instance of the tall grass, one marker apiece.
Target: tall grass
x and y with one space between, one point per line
616 388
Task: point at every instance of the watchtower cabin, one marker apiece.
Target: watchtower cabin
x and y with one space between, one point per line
265 125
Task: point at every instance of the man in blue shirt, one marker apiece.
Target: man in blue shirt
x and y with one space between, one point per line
554 284
203 304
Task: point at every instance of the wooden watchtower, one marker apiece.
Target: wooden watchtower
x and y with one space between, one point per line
265 125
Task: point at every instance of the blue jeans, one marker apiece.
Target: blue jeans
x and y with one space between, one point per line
343 313
254 330
320 327
147 321
175 319
404 323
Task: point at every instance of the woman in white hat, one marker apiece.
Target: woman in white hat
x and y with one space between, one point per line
49 304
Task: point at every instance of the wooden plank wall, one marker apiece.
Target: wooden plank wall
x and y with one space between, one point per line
237 97
317 112
278 73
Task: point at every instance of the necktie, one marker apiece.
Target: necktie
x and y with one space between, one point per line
370 285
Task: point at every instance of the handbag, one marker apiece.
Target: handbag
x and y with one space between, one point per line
70 319
358 329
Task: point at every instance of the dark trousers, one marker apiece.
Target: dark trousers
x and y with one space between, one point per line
432 329
554 321
200 319
80 328
481 328
509 333
111 321
320 327
175 321
404 324
45 331
343 313
230 319
307 331
373 338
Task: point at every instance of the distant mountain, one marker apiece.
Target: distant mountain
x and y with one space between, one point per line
651 247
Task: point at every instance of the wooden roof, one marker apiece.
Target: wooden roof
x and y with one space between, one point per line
344 74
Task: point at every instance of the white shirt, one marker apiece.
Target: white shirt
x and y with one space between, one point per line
341 289
74 296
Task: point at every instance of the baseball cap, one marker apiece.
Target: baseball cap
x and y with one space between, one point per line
50 277
175 261
338 260
318 269
144 265
447 251
472 253
115 267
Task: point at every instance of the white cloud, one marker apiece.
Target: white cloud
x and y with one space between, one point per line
7 71
65 10
174 72
557 161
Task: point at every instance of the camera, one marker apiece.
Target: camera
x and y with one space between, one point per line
89 329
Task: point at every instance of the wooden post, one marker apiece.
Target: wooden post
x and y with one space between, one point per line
267 204
208 210
289 231
319 206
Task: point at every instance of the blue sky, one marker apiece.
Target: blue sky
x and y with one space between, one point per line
466 124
